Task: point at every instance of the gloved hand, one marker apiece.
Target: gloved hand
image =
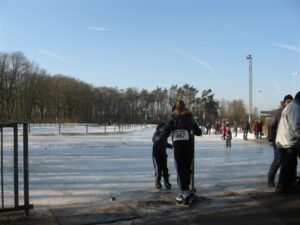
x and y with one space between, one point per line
169 146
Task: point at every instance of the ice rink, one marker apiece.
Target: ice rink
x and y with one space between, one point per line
70 169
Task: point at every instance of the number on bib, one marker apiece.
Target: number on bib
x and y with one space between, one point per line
180 135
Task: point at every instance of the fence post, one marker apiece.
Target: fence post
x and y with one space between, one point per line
26 207
2 184
26 169
16 170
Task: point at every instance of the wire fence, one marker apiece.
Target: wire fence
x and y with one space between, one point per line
78 128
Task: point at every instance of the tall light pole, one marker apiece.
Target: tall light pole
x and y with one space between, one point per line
249 58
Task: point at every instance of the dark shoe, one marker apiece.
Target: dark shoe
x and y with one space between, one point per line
167 184
158 185
181 201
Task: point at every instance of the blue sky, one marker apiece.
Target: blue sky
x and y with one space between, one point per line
145 44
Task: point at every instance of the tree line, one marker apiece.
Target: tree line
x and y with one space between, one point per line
29 94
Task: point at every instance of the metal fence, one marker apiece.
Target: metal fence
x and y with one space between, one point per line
16 184
81 128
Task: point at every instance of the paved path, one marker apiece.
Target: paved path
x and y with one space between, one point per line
257 207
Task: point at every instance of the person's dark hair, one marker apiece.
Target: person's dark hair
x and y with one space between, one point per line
288 97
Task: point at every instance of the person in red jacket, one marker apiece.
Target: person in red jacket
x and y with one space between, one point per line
255 129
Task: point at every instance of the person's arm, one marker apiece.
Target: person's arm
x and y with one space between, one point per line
155 136
167 129
273 125
169 146
294 122
197 130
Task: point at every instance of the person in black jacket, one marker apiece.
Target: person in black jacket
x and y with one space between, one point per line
160 157
246 128
183 127
272 131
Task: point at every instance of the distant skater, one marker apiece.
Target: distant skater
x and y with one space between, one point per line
160 159
228 137
235 128
246 129
223 130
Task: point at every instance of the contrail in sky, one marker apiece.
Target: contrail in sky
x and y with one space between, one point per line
52 54
289 47
195 59
97 28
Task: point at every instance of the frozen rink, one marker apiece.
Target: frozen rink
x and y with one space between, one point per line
70 169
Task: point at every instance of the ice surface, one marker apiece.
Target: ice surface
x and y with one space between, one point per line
69 169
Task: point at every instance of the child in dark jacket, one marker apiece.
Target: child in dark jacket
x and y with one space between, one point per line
228 137
159 155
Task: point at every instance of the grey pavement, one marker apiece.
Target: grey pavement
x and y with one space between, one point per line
256 207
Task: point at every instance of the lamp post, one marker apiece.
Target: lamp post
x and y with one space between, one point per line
249 58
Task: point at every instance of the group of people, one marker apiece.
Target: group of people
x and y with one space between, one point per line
257 129
284 136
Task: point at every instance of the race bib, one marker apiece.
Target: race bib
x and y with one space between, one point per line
180 135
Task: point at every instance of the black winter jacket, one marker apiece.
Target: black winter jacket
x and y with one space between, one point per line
273 125
182 120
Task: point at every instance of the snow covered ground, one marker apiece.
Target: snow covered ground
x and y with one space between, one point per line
69 169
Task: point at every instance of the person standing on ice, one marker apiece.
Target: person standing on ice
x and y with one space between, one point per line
228 137
183 127
235 128
160 159
288 141
246 129
272 131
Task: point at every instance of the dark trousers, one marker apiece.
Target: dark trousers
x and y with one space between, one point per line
275 164
160 163
228 143
288 170
245 134
183 155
